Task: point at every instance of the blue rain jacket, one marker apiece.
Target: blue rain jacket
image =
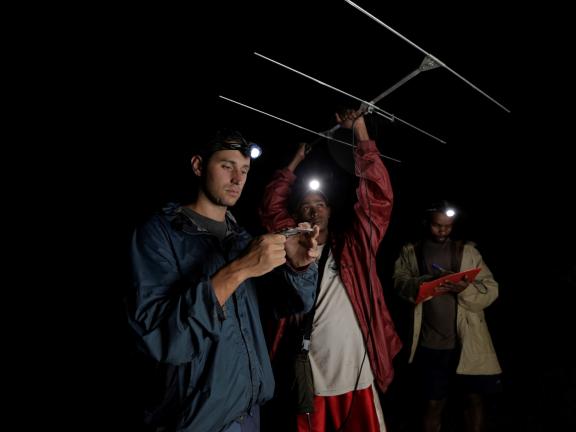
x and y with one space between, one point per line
209 364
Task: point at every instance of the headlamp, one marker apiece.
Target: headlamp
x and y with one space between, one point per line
235 141
443 207
314 185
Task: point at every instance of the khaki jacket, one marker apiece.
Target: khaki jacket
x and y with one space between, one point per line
478 356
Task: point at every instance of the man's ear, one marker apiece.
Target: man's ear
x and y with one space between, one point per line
196 162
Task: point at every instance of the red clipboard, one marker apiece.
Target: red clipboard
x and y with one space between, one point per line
428 289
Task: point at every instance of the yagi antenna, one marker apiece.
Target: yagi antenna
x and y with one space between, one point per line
427 54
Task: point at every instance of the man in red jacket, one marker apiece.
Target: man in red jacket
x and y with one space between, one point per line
353 340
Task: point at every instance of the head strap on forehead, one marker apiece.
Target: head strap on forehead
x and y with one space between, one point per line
443 207
228 139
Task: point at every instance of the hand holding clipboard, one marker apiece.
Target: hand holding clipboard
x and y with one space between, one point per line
445 283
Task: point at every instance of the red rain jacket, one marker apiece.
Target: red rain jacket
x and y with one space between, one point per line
355 252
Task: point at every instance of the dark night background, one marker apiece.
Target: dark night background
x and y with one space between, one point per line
156 74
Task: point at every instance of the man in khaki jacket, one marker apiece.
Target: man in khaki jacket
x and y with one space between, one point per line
451 346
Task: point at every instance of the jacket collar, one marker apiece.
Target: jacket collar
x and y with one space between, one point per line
182 221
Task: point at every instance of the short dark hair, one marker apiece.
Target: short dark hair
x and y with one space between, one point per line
440 207
224 139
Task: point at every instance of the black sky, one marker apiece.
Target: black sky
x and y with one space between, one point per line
167 68
157 72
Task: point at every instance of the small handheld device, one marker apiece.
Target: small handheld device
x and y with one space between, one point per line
296 230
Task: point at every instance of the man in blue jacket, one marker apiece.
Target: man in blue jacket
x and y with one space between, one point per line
194 308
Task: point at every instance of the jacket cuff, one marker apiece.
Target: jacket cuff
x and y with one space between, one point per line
287 175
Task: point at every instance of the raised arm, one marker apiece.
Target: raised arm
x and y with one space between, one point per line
374 193
273 211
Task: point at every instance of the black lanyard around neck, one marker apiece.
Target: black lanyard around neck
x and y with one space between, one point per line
309 317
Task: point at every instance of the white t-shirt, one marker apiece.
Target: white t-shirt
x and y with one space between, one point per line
336 344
